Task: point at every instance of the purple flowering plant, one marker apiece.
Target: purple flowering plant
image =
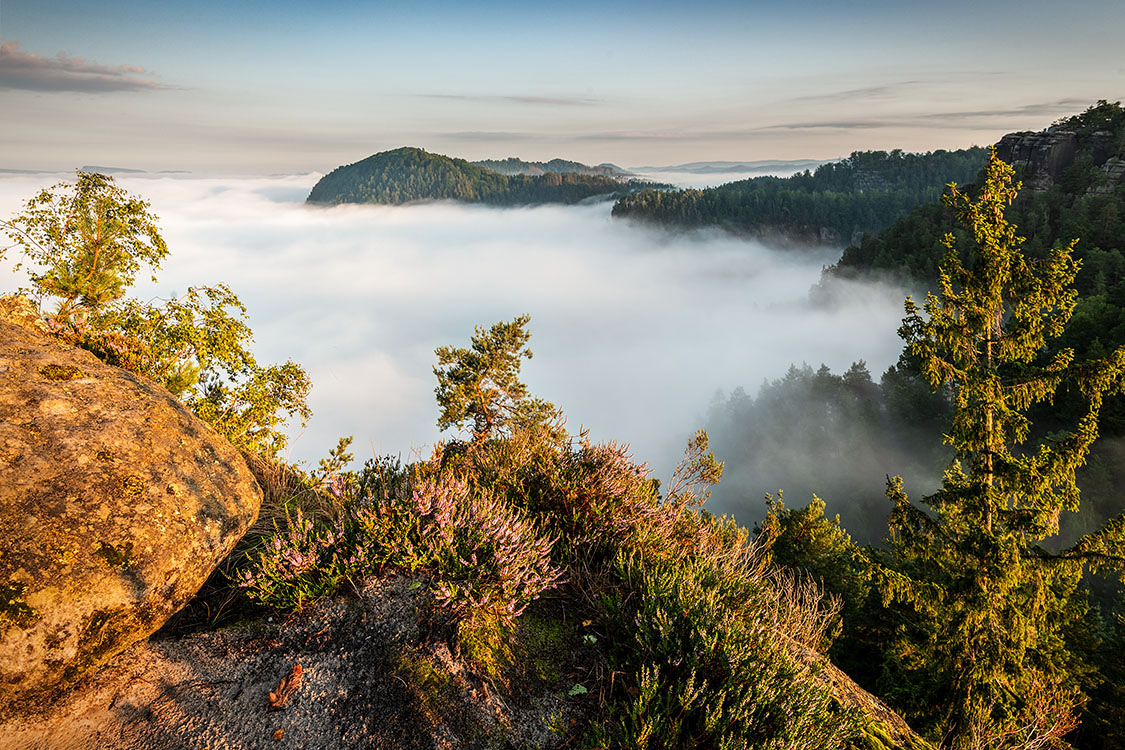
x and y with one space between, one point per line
484 553
302 562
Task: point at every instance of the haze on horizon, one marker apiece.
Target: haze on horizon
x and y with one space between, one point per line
283 87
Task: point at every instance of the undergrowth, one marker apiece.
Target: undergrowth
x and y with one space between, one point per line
688 623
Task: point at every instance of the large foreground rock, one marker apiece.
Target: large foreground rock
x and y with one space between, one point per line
116 504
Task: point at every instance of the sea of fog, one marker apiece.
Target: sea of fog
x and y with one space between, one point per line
633 330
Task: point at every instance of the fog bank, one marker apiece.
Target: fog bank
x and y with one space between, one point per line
633 330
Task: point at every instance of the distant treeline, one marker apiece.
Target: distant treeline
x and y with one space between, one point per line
839 201
411 174
836 436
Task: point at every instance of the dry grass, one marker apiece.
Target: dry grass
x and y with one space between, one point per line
802 610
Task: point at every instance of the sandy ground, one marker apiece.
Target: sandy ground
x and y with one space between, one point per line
211 690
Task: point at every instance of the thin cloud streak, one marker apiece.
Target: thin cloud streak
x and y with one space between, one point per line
880 91
488 136
558 101
31 72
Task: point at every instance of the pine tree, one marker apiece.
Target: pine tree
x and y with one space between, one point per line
481 385
980 655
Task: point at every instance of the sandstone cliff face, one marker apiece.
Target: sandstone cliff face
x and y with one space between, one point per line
116 504
1048 155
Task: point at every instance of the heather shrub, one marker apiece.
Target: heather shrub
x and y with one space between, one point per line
485 554
592 497
301 562
700 642
697 628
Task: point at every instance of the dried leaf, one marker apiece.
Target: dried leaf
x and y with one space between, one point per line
278 734
285 689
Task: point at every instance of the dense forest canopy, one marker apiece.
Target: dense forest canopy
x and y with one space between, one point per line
408 174
513 165
840 200
1080 198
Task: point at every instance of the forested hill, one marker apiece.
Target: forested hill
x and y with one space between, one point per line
411 174
836 203
1074 188
512 165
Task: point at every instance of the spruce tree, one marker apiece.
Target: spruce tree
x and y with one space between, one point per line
980 658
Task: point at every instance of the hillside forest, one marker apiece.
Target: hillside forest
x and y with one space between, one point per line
406 175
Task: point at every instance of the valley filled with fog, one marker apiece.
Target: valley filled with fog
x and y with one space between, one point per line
634 330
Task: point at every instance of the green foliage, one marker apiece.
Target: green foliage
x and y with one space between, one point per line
807 540
86 243
702 645
708 664
481 384
863 193
338 459
411 174
1103 117
1080 205
981 656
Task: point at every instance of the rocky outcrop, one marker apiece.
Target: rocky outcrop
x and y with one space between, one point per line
1114 169
1046 156
372 675
116 503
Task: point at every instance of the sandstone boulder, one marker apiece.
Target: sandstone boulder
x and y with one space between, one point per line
116 503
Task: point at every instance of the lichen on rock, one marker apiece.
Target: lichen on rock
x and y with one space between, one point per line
97 553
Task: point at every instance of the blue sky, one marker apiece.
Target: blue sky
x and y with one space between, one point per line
281 86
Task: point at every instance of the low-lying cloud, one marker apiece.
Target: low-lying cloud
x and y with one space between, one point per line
31 72
633 330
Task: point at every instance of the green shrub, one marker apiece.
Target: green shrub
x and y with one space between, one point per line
709 667
84 245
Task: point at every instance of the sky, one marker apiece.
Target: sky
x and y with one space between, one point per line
262 87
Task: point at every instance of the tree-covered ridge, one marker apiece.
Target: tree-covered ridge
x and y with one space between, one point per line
409 174
1103 117
1083 202
513 165
840 200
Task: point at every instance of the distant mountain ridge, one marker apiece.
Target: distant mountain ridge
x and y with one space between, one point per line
721 167
406 175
